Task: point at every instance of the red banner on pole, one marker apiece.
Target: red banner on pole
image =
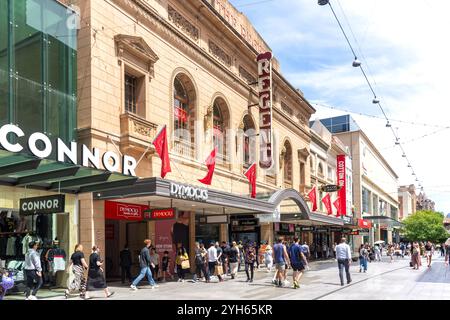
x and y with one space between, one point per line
336 204
341 181
251 176
312 196
211 165
162 148
327 202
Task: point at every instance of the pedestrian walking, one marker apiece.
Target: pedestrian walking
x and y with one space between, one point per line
268 258
165 261
415 256
125 264
234 257
33 271
442 249
182 262
402 249
377 252
297 262
363 257
213 261
250 259
447 252
79 265
144 264
429 253
154 263
96 278
390 252
324 251
344 258
224 258
281 259
200 262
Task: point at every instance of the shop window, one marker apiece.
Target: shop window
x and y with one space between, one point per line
365 200
320 170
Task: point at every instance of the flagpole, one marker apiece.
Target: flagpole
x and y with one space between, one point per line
150 145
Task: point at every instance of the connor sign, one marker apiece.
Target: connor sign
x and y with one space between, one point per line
48 204
42 147
265 109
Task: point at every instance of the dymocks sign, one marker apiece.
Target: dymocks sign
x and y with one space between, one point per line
188 192
48 204
265 109
42 147
124 211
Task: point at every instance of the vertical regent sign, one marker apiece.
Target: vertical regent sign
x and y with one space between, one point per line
265 109
341 181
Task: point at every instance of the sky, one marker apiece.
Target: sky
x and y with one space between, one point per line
403 47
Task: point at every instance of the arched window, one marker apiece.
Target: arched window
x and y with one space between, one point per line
220 125
183 115
287 169
249 143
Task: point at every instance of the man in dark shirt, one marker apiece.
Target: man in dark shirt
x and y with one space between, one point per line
125 263
144 263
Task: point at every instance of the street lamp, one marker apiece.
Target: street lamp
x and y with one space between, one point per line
323 2
375 100
356 63
388 125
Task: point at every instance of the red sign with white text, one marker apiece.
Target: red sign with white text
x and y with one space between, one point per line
341 181
124 211
160 214
364 224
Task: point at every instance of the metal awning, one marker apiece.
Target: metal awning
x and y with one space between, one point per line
21 170
384 220
315 218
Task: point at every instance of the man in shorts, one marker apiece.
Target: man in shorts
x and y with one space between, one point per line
281 259
297 262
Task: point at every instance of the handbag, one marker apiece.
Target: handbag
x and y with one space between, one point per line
185 264
218 270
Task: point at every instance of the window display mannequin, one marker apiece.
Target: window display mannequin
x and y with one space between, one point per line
56 258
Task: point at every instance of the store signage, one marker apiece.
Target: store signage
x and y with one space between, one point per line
124 211
48 204
307 228
341 181
336 229
330 188
270 217
354 233
160 214
347 220
42 147
265 109
222 219
188 192
321 230
365 224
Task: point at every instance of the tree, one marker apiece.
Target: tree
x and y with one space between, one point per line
424 226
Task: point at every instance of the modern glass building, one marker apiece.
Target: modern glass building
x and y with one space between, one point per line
38 67
340 124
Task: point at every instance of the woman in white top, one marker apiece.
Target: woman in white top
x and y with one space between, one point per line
268 259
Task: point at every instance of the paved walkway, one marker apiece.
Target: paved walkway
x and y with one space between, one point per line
383 281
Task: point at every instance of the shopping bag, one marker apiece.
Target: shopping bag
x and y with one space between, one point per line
185 264
218 270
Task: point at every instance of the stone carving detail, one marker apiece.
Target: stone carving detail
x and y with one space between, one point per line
219 53
142 130
246 75
183 24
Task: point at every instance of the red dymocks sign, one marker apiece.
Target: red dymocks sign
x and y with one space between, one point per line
124 211
265 109
160 214
341 181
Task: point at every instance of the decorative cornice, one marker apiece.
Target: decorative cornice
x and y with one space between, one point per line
183 24
219 53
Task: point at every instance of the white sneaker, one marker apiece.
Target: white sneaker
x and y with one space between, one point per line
32 298
155 286
133 287
286 283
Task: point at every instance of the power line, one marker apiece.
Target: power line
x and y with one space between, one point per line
376 101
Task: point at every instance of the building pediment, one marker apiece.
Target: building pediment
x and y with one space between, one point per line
138 48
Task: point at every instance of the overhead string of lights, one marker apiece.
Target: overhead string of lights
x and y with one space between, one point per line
357 64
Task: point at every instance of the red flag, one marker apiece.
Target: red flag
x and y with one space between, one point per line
313 198
162 148
327 202
251 176
211 164
336 204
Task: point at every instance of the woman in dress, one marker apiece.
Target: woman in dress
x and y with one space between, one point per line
96 279
78 264
415 256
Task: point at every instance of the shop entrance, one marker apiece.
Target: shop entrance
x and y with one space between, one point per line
117 234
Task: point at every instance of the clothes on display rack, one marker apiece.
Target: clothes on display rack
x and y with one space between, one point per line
26 241
42 226
11 247
57 259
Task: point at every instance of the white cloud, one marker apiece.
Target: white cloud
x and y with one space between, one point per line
405 45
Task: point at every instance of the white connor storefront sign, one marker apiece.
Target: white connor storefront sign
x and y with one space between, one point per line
110 160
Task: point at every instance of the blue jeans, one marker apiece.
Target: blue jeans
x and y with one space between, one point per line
363 263
144 271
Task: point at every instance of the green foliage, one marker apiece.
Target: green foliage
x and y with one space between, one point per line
424 226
